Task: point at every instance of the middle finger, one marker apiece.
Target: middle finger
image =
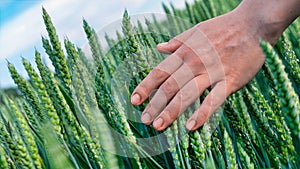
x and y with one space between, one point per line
166 92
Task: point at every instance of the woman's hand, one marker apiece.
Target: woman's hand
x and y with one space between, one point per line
222 53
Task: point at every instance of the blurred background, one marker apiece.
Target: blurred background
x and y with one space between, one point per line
21 24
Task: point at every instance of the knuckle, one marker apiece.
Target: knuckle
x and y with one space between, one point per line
183 51
201 116
232 85
157 104
158 74
185 97
143 90
169 87
170 117
174 41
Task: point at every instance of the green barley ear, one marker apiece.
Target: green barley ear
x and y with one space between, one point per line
22 156
59 60
288 98
27 91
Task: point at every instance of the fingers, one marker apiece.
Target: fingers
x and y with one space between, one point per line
210 104
165 92
186 96
158 75
175 43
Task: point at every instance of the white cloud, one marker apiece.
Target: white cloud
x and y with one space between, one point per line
24 31
18 34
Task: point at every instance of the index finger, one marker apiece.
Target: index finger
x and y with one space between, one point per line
155 78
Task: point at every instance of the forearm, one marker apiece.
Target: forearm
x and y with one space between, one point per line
270 17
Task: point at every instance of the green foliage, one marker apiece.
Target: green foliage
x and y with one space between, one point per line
79 116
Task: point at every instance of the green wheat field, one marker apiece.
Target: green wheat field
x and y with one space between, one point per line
78 117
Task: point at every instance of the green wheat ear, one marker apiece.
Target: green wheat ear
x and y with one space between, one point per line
288 98
27 136
229 152
27 91
57 55
93 42
3 158
47 104
291 59
245 159
58 157
198 148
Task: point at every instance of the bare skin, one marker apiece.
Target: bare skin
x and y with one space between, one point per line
222 53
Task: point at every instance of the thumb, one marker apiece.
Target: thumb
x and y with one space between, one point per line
176 42
169 47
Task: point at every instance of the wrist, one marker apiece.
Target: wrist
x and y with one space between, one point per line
268 18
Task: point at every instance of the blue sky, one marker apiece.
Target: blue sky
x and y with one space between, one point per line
11 8
21 24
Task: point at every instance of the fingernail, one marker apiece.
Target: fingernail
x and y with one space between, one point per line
162 44
135 99
190 124
158 123
146 118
